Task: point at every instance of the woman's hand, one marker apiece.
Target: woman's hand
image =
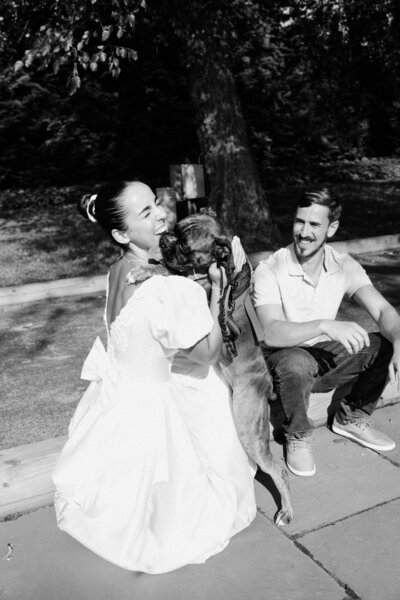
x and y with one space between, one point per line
207 350
217 276
238 254
138 274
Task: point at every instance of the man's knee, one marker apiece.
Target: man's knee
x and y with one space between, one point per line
381 346
295 364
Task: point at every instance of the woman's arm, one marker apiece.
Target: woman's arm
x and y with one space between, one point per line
207 350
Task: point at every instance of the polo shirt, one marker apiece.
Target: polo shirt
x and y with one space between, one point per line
280 279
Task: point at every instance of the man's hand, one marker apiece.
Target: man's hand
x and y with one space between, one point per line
353 337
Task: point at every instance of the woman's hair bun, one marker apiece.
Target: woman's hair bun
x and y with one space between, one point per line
87 208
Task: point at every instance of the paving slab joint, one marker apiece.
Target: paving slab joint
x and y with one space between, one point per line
297 536
351 594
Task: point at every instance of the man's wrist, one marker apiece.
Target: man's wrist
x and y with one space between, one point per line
321 326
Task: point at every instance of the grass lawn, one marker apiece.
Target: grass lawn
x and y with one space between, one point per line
50 243
54 241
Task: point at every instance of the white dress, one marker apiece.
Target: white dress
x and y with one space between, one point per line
152 478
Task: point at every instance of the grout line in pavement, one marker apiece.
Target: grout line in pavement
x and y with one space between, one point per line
392 461
296 536
350 593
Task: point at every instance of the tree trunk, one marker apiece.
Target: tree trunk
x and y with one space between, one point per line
236 190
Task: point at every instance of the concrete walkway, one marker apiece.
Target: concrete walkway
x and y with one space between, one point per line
344 543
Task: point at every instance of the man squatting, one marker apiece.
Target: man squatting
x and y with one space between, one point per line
297 294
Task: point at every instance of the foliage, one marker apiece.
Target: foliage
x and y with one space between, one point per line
88 34
130 126
46 137
318 82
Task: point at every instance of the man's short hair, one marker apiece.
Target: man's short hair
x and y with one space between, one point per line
323 197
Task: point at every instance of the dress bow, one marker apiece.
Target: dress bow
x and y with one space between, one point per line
98 365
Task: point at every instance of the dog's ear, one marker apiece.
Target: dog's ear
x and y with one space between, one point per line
176 255
206 210
221 252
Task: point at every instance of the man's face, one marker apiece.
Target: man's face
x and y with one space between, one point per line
311 229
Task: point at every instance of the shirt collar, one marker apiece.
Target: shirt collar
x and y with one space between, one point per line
330 265
294 267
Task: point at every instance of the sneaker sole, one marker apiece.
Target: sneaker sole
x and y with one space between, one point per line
361 442
301 473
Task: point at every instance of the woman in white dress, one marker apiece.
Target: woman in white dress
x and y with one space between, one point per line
145 479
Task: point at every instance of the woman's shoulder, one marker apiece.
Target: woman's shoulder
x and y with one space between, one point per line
119 292
157 290
118 266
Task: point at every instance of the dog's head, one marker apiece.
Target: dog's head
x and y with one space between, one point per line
196 242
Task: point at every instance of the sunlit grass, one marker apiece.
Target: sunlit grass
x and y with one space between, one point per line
50 243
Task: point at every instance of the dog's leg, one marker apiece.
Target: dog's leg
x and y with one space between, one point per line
252 386
251 415
270 466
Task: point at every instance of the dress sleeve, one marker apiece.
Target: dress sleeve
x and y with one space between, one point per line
179 315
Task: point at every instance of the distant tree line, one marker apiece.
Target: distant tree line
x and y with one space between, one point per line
260 92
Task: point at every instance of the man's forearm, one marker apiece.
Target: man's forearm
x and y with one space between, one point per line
285 334
389 325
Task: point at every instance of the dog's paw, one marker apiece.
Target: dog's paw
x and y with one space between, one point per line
283 517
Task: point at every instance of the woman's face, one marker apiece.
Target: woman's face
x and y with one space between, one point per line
145 218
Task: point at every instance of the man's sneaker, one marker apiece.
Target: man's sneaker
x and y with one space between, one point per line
362 431
299 456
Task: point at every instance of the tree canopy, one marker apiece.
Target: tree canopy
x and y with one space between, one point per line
261 92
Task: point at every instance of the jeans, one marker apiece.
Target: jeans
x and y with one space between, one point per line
359 379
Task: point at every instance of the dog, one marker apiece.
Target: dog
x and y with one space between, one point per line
242 364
